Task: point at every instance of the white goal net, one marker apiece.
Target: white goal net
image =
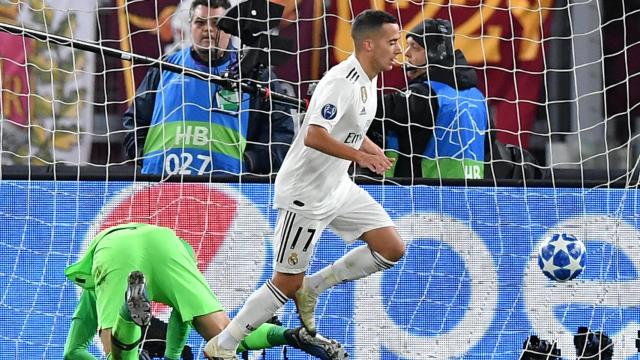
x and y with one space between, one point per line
85 120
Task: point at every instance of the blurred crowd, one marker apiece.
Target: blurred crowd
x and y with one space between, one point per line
524 89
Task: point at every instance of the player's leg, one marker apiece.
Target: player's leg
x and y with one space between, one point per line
385 244
366 220
264 337
176 336
295 238
271 335
362 217
84 325
126 333
212 324
179 284
136 313
116 257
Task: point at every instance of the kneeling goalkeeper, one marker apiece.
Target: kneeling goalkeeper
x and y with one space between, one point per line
146 263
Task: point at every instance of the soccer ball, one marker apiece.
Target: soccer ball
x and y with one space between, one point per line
562 257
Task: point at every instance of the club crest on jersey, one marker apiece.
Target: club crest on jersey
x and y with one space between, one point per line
293 259
363 93
329 111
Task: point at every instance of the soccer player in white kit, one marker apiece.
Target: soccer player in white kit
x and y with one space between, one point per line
313 189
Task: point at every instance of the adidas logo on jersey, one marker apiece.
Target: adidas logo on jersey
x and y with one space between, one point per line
363 111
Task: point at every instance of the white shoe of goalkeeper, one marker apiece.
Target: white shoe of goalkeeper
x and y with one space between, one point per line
213 351
306 301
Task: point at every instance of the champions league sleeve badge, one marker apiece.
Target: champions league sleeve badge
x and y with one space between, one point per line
329 111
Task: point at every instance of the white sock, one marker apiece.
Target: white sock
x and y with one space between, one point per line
356 264
258 308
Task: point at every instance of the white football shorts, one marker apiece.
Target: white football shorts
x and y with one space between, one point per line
296 235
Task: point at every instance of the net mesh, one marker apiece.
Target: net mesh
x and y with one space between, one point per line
560 79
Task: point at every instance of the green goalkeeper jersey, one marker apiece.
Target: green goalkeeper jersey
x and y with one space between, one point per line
169 266
81 271
172 278
167 262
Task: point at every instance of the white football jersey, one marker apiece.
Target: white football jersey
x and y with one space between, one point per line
344 103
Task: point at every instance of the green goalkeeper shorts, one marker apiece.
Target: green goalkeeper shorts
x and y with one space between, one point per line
172 277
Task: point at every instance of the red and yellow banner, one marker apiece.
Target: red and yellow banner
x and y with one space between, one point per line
504 39
146 28
14 75
47 89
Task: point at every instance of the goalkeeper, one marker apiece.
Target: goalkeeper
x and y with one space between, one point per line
146 263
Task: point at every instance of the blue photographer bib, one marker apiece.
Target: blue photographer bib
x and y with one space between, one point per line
197 126
456 149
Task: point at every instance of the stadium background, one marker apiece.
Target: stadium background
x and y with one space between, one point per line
469 286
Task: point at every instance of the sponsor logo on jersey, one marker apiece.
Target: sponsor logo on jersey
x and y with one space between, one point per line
329 111
353 138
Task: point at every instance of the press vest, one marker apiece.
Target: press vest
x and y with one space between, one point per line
197 126
456 149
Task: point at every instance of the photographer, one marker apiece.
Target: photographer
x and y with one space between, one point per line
182 125
437 126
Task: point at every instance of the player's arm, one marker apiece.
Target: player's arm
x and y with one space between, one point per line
84 325
371 147
318 138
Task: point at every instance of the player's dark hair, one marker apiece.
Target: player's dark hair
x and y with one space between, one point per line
208 3
370 21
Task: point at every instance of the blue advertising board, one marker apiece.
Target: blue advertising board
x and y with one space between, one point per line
469 286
